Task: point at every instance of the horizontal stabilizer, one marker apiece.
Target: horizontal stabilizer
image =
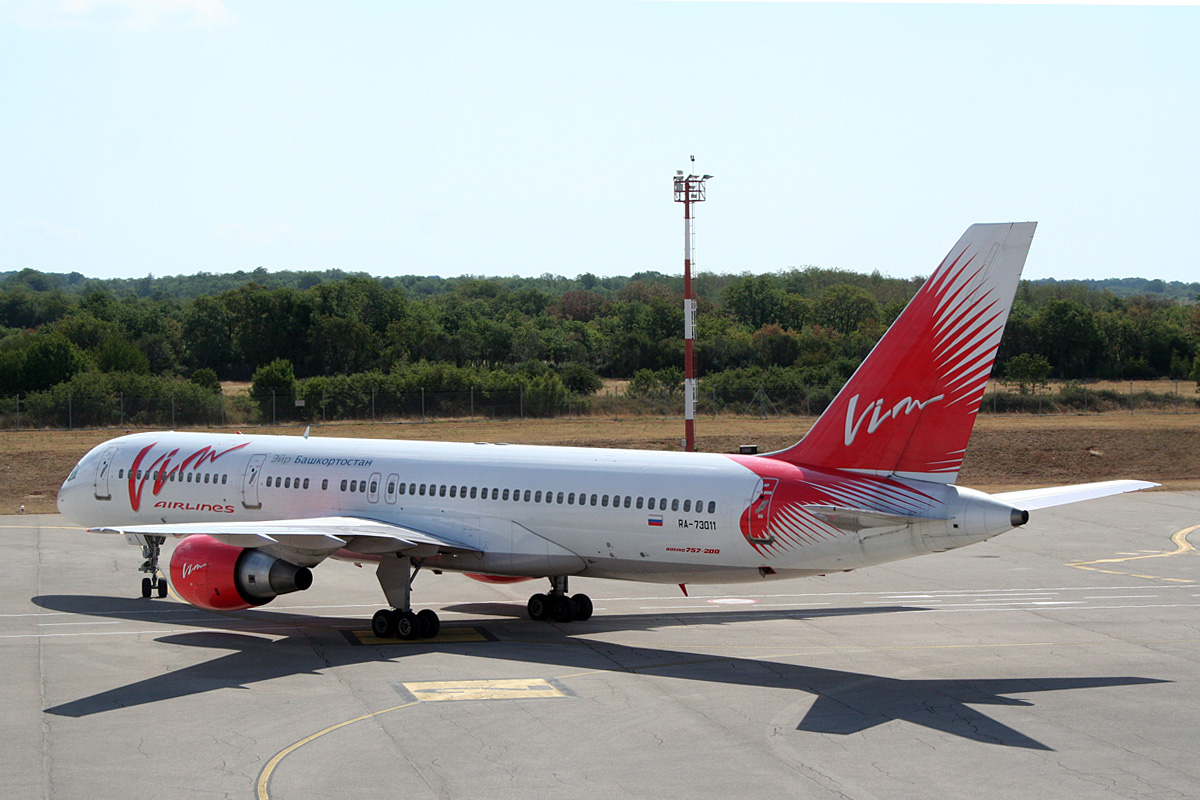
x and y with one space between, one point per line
1046 497
857 519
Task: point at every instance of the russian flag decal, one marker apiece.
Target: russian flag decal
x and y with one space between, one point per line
655 522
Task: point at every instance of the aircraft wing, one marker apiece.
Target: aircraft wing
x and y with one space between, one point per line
315 534
1031 499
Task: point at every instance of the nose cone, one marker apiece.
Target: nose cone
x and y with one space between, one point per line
69 495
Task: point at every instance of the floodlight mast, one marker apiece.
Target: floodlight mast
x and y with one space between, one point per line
689 190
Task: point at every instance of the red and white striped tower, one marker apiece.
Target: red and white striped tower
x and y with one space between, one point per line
687 191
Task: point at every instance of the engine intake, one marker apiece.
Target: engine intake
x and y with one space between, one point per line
220 577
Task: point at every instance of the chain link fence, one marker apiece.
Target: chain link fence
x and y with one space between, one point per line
68 410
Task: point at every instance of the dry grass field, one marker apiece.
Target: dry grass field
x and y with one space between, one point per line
1007 451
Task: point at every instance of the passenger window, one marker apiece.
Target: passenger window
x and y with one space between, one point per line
526 495
324 484
505 494
537 497
224 479
287 483
374 487
571 499
354 486
412 488
442 490
675 504
306 483
559 498
462 491
593 499
712 506
422 490
495 494
391 487
639 502
454 491
343 484
687 505
604 500
472 492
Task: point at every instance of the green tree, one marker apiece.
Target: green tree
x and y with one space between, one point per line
207 334
206 379
846 308
1027 371
118 354
273 389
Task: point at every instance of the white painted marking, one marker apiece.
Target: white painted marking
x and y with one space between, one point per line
732 601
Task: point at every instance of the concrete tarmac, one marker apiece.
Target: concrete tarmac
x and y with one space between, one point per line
1057 660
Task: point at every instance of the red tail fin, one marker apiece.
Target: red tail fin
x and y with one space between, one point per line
909 408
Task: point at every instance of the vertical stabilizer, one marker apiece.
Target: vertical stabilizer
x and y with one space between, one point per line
909 408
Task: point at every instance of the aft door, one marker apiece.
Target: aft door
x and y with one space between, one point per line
103 471
250 482
758 531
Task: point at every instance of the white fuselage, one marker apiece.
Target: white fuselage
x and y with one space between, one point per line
522 510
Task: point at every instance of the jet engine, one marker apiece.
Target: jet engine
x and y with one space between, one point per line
220 577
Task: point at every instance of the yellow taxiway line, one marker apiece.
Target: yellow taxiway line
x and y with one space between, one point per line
1182 545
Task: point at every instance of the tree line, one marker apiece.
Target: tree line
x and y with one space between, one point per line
72 337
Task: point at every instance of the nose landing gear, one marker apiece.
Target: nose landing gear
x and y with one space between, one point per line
151 549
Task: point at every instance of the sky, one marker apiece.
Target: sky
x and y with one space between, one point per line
524 138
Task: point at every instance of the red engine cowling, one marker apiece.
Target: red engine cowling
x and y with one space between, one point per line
221 577
495 578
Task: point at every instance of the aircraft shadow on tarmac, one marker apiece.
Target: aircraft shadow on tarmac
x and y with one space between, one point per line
846 702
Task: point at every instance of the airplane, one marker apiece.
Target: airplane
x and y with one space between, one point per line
873 481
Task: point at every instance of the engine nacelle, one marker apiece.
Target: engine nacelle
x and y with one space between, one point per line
220 577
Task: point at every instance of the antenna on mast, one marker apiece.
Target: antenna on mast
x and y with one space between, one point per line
687 191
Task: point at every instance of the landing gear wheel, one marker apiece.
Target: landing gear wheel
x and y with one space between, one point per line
538 607
563 608
430 624
583 607
162 587
147 587
408 627
383 624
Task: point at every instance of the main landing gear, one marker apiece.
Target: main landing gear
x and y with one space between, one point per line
396 574
151 549
558 606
